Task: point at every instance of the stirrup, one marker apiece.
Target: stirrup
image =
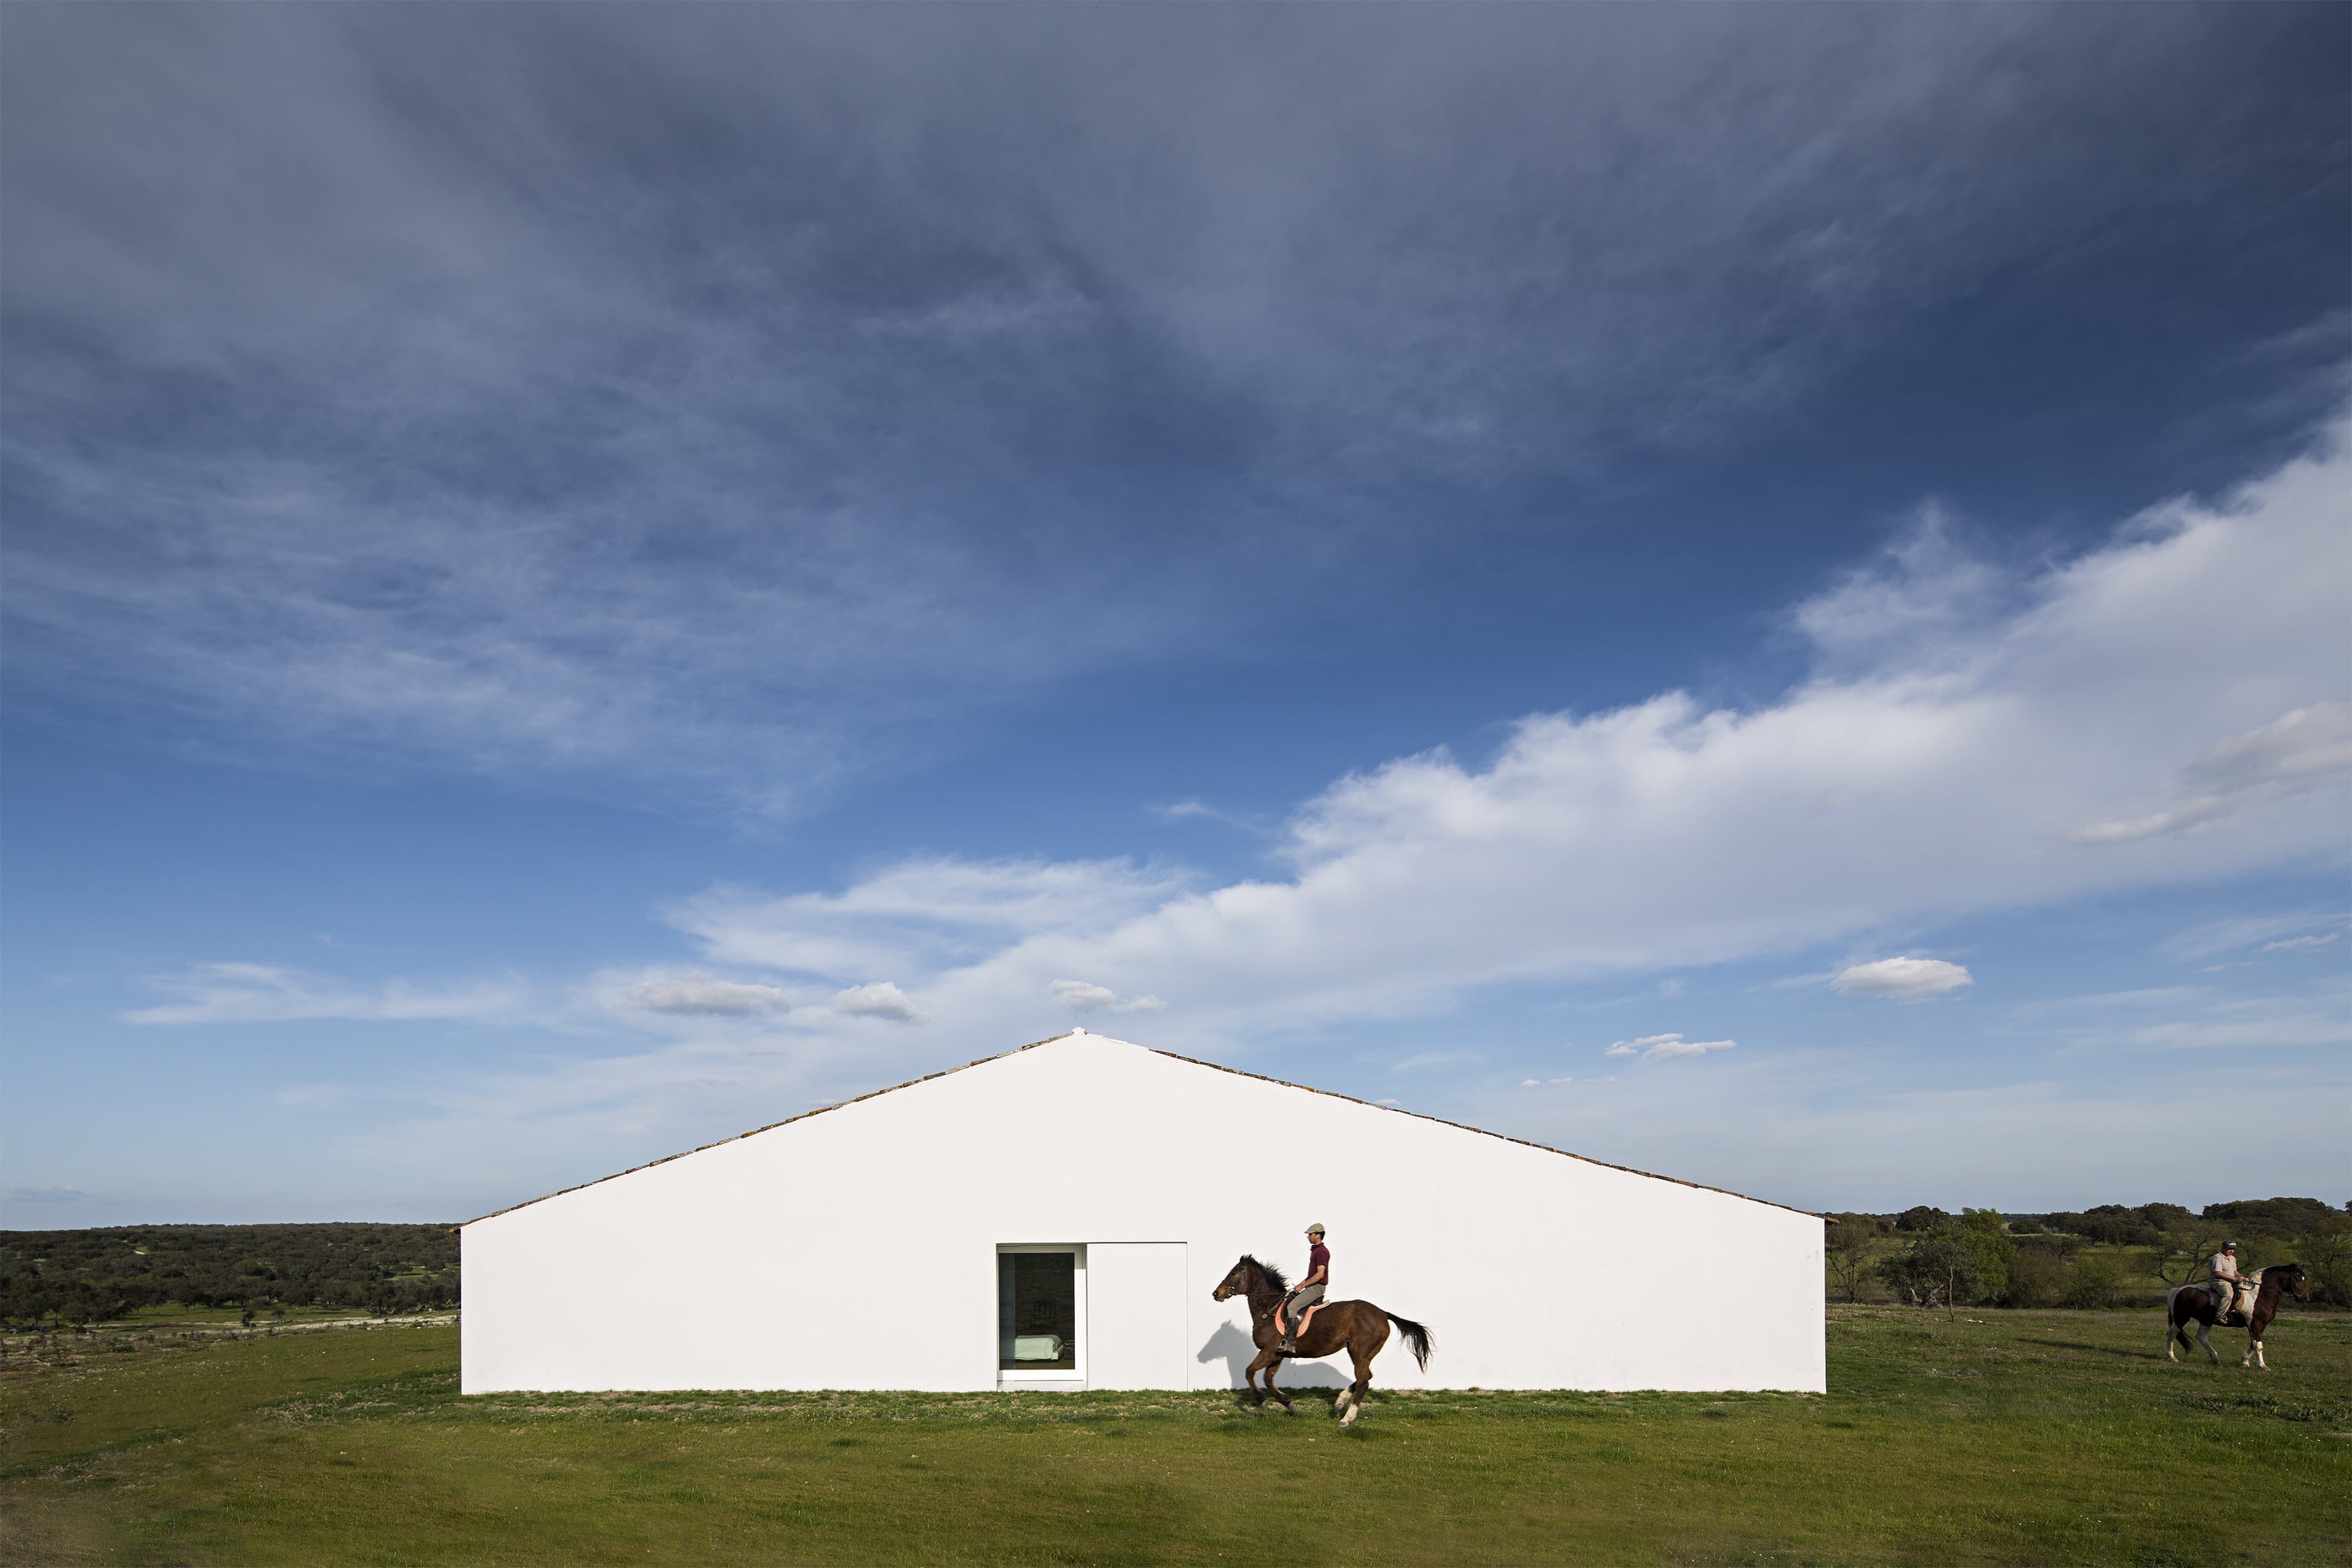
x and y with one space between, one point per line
1289 1345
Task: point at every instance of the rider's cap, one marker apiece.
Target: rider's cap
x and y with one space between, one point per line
1313 1230
2228 1245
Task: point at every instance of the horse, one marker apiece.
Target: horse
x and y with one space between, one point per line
1356 1326
2189 1304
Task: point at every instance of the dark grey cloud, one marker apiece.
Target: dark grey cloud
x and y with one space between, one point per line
719 395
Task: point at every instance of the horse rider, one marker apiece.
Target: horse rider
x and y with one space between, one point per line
1297 1308
2226 1277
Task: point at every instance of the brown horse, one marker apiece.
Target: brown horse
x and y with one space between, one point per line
1356 1326
2194 1304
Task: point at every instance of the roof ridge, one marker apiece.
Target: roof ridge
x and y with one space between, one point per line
1173 1056
1462 1127
771 1126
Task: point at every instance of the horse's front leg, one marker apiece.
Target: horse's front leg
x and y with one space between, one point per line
2254 1354
1266 1363
1274 1364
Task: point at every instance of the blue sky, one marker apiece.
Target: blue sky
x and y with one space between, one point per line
1758 593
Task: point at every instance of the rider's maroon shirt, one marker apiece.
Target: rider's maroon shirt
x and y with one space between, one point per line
1319 1257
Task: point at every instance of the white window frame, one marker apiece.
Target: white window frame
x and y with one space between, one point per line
1014 1377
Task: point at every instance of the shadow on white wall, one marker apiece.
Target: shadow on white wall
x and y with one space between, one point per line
1233 1347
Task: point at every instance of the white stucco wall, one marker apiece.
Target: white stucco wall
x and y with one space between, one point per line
781 1260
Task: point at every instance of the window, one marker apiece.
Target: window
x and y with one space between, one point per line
1040 1304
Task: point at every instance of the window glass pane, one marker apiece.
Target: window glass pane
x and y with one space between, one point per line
1038 1311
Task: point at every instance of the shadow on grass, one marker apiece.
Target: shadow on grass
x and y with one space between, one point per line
2117 1352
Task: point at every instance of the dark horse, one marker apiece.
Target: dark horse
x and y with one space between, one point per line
2194 1304
1356 1326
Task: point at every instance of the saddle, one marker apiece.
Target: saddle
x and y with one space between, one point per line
2234 1308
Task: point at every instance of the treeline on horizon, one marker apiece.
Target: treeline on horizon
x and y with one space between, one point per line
2113 1255
2108 1255
92 1276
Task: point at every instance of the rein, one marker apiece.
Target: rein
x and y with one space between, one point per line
1264 1297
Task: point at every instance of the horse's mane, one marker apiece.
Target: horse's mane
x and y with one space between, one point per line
1269 1270
2284 1266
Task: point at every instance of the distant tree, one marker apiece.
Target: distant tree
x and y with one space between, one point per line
2110 1223
2284 1219
2094 1280
2184 1249
1987 1240
1851 1238
1937 1270
1922 1218
42 1272
2327 1258
2042 1271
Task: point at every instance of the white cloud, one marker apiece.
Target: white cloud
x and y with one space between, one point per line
2301 749
1082 996
922 915
1665 834
261 993
1653 837
1904 979
1665 1046
1922 598
880 999
699 993
2216 937
825 511
2290 944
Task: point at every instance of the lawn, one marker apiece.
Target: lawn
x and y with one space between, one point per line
2027 1437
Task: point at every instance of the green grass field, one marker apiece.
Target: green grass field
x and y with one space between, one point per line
2024 1437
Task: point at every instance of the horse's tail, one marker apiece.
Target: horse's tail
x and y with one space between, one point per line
1416 1338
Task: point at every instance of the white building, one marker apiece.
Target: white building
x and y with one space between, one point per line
1058 1217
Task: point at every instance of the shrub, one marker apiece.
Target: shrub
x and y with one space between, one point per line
1987 1240
2327 1258
2094 1280
1935 1269
2038 1277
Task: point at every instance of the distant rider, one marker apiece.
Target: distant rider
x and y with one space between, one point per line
2226 1277
1297 1308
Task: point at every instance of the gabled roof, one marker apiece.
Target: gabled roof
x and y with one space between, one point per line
1195 1061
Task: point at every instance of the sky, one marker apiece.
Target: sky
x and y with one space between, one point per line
1757 591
